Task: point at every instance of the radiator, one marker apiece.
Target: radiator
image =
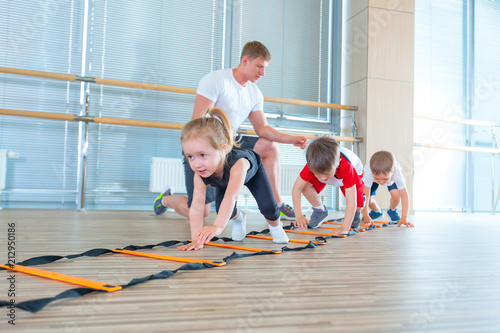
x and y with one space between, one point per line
166 171
170 172
289 173
3 168
4 154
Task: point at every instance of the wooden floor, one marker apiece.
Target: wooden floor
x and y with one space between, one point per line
441 276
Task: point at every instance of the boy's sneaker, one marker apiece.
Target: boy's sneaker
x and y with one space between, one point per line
287 212
318 217
356 221
375 215
158 205
239 231
279 235
393 214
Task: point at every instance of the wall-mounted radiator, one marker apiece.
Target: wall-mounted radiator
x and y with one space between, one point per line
4 154
3 168
166 171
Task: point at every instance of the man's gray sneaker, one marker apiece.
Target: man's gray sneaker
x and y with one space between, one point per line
287 212
158 205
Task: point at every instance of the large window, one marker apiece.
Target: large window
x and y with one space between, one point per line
162 42
456 77
172 43
301 40
44 36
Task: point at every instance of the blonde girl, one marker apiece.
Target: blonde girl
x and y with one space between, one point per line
208 144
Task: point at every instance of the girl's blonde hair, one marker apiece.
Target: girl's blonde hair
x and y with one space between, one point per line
382 162
215 127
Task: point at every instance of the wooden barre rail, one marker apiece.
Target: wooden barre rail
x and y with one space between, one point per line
459 148
309 103
459 121
309 136
132 122
159 87
47 75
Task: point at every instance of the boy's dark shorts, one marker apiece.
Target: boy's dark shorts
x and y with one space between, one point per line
375 186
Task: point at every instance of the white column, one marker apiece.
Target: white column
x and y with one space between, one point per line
378 62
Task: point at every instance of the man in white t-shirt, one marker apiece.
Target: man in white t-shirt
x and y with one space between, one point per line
236 92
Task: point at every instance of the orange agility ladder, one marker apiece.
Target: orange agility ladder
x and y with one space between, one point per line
312 233
244 248
336 223
340 223
361 227
291 240
163 257
63 277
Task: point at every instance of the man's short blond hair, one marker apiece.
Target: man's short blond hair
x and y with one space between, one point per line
254 50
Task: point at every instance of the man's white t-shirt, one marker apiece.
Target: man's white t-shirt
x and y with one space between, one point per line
397 177
222 88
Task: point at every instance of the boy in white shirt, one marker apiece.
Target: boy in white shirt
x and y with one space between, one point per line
384 170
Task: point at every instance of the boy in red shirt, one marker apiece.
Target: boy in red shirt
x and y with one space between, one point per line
328 163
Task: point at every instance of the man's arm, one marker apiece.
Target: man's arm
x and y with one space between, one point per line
263 130
201 104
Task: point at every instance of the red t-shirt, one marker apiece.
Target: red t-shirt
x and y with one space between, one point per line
346 176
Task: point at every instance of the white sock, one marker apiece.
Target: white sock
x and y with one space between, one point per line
281 204
239 218
238 232
279 226
321 207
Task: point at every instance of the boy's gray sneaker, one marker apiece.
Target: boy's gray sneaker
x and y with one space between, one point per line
318 217
287 212
356 221
158 205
